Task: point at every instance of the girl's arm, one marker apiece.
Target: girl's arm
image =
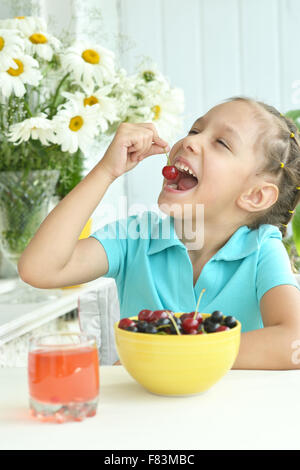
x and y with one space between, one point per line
277 345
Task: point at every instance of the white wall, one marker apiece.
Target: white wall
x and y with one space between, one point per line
213 49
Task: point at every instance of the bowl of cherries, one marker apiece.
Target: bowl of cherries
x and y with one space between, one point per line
177 354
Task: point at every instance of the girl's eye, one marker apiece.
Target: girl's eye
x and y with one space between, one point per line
218 140
222 143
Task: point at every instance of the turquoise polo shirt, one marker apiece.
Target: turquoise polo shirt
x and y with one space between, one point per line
155 272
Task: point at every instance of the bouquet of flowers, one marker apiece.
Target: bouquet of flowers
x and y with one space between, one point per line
56 100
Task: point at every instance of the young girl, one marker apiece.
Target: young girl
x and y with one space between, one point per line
245 158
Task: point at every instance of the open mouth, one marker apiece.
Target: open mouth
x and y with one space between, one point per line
184 181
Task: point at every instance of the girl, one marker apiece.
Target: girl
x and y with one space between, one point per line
245 158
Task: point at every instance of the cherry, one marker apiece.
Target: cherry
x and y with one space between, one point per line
158 314
216 316
222 328
144 315
209 326
132 328
170 172
193 331
142 326
125 323
151 329
230 321
189 324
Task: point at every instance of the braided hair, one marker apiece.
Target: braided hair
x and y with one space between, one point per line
279 139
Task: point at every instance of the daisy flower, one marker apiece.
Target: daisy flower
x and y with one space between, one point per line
11 45
90 64
75 126
25 71
36 128
166 108
107 106
25 24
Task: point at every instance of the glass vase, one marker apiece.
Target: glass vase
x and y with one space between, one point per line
24 204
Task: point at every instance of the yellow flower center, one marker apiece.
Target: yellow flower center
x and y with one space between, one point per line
38 38
90 101
76 123
156 110
18 71
91 56
2 42
19 17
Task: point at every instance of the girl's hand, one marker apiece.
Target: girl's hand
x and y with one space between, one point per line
131 144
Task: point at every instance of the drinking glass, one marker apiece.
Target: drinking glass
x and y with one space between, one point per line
63 376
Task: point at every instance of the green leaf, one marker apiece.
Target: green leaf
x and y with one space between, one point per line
296 229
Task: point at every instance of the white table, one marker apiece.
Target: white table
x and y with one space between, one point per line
244 410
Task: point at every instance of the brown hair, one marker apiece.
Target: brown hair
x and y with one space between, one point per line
279 140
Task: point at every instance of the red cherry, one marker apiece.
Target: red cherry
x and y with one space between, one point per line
184 316
144 315
222 328
158 314
125 322
189 324
170 172
198 316
193 332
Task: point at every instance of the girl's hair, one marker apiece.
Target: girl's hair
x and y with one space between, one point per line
280 144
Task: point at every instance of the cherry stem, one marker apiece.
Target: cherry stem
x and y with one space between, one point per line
200 297
168 162
174 323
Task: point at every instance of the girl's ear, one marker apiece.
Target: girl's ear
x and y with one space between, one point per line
258 198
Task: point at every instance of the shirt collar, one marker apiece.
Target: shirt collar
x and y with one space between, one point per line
157 241
241 244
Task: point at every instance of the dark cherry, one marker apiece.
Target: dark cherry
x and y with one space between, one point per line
230 321
132 328
151 329
210 327
216 316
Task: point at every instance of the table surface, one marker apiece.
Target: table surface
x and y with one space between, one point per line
244 410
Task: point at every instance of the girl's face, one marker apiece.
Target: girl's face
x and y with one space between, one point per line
219 151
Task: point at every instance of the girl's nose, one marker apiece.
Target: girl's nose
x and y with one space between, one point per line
189 143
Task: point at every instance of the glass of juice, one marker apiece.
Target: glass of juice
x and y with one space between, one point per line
63 376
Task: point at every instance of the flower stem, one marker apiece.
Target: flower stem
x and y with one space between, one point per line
168 158
26 105
52 106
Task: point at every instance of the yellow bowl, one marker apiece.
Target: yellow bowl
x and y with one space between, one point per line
177 365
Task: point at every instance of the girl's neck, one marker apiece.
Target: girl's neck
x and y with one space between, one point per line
214 237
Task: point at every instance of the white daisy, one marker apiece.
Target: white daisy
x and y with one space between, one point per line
107 106
11 45
75 126
36 128
25 24
166 108
90 64
25 71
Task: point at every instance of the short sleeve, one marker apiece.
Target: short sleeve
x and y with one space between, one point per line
113 237
274 267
